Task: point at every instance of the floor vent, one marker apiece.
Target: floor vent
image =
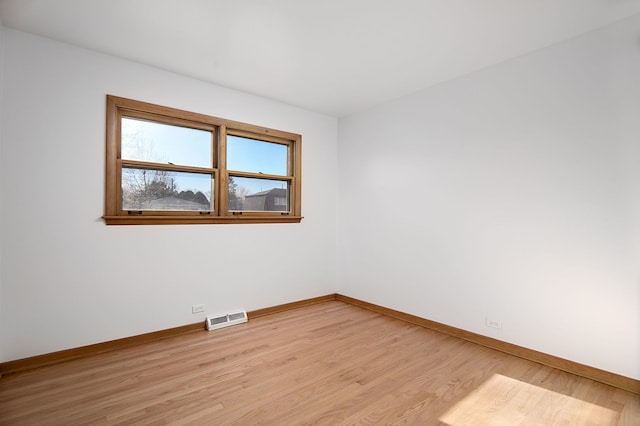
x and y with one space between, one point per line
215 322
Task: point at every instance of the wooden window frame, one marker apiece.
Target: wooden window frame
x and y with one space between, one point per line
118 107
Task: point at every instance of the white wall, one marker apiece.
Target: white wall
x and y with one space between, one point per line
512 193
1 195
68 279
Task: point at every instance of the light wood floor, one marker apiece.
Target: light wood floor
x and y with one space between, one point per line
326 364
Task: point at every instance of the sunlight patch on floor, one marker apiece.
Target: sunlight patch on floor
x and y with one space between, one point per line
502 400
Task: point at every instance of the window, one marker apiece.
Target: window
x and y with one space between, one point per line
168 166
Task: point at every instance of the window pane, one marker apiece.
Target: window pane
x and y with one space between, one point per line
163 190
251 155
264 195
162 143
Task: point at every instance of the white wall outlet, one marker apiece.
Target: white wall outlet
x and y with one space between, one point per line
493 323
197 308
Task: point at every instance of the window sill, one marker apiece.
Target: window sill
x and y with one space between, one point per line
191 220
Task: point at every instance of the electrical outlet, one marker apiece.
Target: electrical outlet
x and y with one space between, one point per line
197 308
493 323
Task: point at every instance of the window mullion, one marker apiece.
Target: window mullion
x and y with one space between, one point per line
222 184
168 167
258 175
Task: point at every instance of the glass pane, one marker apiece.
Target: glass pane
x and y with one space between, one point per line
163 190
162 143
263 195
251 155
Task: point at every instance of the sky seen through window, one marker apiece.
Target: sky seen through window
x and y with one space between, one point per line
150 141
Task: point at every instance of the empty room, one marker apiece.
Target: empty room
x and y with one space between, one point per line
320 212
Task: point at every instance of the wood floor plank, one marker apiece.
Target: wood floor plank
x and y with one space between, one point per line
330 363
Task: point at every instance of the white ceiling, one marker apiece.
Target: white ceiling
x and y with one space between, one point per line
331 56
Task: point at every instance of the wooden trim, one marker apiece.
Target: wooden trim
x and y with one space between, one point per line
253 131
592 373
221 192
296 184
606 377
118 107
288 306
146 165
173 120
130 107
200 219
112 180
23 364
252 175
265 135
16 366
